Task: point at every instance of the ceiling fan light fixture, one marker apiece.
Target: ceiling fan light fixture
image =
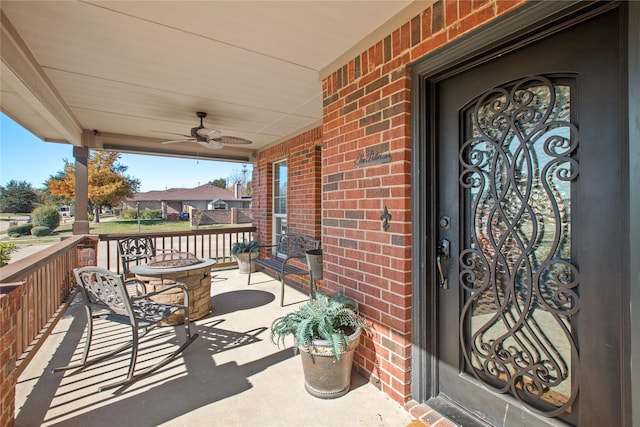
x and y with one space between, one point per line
209 133
209 138
215 145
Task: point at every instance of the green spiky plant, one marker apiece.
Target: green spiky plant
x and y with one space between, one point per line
244 246
331 318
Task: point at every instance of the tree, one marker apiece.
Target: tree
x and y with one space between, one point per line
219 182
241 177
17 196
108 184
248 190
46 198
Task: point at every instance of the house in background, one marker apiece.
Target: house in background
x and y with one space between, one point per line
173 201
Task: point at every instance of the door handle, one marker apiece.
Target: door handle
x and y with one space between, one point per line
443 253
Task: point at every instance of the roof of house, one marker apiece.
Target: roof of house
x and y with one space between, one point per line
205 192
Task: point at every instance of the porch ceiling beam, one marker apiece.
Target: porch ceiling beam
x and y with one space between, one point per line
27 79
105 138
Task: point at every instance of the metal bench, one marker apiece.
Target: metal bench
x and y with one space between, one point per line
290 246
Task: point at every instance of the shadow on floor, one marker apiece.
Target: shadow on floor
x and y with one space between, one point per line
229 302
187 383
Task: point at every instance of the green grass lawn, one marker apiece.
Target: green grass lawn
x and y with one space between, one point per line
107 227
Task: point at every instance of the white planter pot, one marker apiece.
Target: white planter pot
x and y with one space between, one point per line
244 265
324 376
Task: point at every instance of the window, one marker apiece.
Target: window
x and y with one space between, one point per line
279 199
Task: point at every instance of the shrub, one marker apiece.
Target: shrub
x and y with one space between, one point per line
46 216
151 214
40 231
6 249
20 230
129 214
116 211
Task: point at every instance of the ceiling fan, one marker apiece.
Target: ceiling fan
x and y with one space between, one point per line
210 138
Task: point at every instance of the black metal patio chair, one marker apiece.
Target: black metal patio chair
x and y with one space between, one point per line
136 250
105 295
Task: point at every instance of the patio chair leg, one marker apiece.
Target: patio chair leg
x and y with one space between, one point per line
90 362
151 369
134 352
84 360
87 345
282 292
132 376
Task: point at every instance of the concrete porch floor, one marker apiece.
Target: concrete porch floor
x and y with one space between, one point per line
232 375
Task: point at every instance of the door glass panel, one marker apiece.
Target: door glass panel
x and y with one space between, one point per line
517 166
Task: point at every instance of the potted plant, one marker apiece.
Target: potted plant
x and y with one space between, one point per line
326 332
241 251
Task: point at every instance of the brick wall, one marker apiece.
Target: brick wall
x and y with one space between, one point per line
220 216
242 215
303 155
367 108
87 252
10 304
144 205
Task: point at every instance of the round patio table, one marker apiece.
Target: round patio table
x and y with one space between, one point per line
193 272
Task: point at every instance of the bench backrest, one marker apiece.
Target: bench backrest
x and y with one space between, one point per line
295 245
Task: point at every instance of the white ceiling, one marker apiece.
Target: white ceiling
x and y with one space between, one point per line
137 71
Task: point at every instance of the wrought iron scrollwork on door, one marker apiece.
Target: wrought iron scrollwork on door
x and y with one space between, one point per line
516 168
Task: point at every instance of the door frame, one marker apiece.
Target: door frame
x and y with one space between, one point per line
502 35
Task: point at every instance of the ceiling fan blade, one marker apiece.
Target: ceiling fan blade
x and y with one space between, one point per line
175 133
179 140
232 140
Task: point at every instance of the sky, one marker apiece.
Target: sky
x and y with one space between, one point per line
25 157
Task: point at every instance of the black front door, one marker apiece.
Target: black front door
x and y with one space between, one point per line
528 238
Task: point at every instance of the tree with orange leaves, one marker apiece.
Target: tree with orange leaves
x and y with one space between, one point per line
108 184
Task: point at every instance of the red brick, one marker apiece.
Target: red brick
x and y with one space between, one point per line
372 264
426 24
464 8
505 5
451 12
472 21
